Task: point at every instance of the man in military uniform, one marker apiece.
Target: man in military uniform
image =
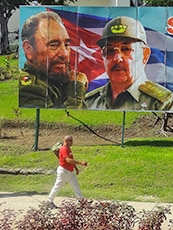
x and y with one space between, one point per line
46 80
125 54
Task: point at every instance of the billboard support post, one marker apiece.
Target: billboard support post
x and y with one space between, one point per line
123 127
37 125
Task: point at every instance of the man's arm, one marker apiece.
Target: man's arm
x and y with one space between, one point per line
74 162
77 170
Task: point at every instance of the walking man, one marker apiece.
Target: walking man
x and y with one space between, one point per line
65 171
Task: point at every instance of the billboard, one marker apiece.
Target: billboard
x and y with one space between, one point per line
102 58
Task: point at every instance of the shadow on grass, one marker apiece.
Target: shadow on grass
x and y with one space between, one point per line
22 193
160 143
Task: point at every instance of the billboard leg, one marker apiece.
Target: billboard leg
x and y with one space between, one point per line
123 127
37 125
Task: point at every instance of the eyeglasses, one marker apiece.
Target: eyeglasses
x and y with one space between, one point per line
109 51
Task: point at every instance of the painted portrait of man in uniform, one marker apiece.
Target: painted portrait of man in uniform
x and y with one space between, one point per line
46 80
125 54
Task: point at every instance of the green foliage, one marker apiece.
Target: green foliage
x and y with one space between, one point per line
159 2
9 68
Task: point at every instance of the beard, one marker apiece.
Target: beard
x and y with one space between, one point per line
51 72
59 78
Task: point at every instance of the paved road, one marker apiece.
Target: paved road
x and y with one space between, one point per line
23 201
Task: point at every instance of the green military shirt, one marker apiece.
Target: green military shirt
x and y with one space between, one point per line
37 91
147 96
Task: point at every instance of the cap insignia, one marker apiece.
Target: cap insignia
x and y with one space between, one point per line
118 29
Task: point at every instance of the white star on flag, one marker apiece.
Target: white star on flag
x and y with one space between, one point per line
84 51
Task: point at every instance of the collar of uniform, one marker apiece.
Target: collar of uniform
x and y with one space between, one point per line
106 90
32 70
133 89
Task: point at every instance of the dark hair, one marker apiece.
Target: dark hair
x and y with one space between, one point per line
31 24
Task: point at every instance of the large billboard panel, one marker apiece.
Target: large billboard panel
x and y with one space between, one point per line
103 58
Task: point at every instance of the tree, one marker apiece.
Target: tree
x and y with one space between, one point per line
151 2
56 2
137 2
7 7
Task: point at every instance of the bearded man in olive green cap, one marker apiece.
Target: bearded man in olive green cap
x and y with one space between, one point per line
46 80
125 53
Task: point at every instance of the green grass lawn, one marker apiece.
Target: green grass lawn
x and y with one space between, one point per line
133 173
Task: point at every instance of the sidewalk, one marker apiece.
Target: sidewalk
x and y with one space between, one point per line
23 201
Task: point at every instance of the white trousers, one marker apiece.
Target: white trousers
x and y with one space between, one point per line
64 176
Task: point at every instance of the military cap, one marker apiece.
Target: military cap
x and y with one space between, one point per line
123 27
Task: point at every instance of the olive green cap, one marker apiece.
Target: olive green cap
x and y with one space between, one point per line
123 27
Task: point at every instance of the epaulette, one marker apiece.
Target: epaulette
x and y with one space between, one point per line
155 90
25 78
93 92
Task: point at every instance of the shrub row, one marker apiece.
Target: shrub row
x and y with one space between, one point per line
86 214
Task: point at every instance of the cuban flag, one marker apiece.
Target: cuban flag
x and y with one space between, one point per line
84 31
160 65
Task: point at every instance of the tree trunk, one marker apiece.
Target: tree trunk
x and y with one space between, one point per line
5 15
4 45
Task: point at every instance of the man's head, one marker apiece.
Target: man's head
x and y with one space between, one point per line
68 140
124 50
46 43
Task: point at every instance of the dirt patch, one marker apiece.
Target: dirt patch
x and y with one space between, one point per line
24 134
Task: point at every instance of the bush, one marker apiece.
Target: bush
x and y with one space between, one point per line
152 220
7 69
89 214
85 214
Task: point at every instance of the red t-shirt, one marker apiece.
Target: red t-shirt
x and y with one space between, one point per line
63 153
